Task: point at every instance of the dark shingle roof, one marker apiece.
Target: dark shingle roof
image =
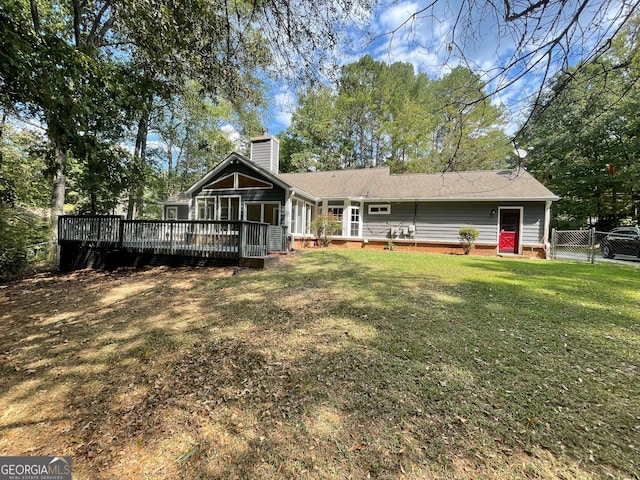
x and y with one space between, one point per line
378 183
180 199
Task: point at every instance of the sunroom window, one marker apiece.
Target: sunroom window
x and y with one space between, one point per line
229 208
206 207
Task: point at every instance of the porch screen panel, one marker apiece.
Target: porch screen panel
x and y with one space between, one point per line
300 217
254 212
309 219
294 216
272 213
229 208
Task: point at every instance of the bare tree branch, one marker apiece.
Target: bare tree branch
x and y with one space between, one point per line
535 40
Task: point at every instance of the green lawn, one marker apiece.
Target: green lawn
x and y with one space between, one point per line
344 364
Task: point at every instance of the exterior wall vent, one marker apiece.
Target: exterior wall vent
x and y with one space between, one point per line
265 151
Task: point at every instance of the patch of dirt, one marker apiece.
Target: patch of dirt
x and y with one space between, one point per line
80 352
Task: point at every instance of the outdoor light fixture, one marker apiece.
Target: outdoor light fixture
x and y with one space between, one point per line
493 211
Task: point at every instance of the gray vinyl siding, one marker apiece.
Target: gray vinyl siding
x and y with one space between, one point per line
265 153
533 224
440 221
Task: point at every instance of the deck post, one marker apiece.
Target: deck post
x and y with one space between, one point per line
241 240
98 241
171 238
120 233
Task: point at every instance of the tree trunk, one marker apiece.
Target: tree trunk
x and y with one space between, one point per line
58 191
141 148
171 170
3 122
135 206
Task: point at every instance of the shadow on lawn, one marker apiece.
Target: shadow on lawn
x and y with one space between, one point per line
333 367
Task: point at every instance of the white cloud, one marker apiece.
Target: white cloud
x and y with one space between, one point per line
231 132
400 33
282 106
158 144
395 15
436 36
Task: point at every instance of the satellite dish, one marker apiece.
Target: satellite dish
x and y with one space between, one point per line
521 152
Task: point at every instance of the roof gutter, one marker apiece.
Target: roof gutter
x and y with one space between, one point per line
460 199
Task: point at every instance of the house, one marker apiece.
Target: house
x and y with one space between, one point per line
510 208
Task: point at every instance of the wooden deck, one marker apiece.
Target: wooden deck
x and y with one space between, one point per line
110 241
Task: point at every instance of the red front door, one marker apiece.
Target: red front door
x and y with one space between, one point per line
509 239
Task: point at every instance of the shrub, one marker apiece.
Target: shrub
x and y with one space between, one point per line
468 235
324 227
18 230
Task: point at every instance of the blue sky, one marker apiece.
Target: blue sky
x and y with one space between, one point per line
432 43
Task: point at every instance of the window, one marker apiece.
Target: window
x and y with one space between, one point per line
237 181
254 212
309 218
294 216
509 220
205 208
263 212
171 213
354 221
224 183
229 208
337 213
301 215
272 213
379 209
245 182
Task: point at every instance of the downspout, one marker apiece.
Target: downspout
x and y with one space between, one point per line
547 224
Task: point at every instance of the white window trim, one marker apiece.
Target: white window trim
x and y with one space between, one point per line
235 183
293 225
207 199
303 211
270 185
310 215
262 205
383 209
344 219
350 211
172 209
520 227
219 207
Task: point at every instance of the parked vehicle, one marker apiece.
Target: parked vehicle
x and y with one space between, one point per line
621 241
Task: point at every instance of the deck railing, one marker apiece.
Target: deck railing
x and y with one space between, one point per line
99 231
193 238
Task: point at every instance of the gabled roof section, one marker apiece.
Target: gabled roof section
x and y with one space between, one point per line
235 157
379 184
179 199
338 183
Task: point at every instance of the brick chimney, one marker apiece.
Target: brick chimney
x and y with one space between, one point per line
265 151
